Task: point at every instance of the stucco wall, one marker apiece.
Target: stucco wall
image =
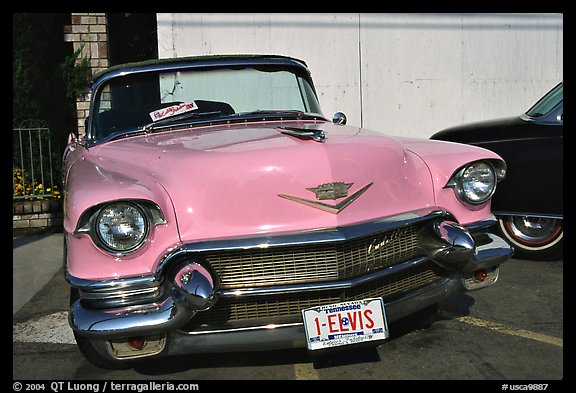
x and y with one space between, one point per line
403 74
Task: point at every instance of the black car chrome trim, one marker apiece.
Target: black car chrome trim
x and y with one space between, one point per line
529 214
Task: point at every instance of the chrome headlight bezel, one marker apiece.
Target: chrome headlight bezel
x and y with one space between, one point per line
475 183
92 219
121 227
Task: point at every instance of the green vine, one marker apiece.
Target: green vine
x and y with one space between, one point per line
76 73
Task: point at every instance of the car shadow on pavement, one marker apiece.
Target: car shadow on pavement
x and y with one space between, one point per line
182 363
22 237
361 353
457 305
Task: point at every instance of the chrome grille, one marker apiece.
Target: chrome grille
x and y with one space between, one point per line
273 307
313 262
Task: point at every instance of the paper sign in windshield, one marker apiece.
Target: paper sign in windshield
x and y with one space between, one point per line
173 110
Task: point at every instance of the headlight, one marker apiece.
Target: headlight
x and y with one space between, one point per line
121 227
475 183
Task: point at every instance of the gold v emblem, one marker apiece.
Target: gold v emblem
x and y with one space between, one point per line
334 209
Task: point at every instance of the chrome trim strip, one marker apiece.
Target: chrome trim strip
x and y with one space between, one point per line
323 286
319 236
112 285
528 214
243 329
118 293
146 319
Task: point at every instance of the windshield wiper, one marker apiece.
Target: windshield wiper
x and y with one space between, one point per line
183 116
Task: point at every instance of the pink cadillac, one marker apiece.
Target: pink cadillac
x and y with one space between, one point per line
211 207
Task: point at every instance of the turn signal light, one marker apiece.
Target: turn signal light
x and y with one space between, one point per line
480 275
137 342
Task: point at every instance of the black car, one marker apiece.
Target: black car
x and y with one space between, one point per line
528 204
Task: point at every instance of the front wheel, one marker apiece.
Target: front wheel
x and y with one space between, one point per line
536 238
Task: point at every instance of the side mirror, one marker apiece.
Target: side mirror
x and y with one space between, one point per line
339 118
73 137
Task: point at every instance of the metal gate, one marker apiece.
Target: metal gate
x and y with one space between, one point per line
35 163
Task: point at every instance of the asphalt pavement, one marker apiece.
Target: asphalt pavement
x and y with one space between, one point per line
36 258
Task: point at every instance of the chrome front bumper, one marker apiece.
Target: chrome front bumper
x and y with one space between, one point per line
190 287
273 337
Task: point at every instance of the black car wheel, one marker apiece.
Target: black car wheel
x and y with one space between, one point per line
535 238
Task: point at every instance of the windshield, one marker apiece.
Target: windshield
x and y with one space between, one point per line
139 101
547 103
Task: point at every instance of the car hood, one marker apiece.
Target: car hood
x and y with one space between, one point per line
482 131
237 181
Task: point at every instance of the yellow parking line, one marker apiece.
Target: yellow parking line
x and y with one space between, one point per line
497 327
305 371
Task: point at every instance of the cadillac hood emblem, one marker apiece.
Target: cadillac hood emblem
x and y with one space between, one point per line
332 191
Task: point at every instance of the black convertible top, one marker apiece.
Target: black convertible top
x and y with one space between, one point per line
200 61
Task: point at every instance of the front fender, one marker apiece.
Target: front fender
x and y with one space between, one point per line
443 160
94 181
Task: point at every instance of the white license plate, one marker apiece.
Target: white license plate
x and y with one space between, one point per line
345 323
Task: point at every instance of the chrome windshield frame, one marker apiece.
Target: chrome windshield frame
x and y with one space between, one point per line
188 63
